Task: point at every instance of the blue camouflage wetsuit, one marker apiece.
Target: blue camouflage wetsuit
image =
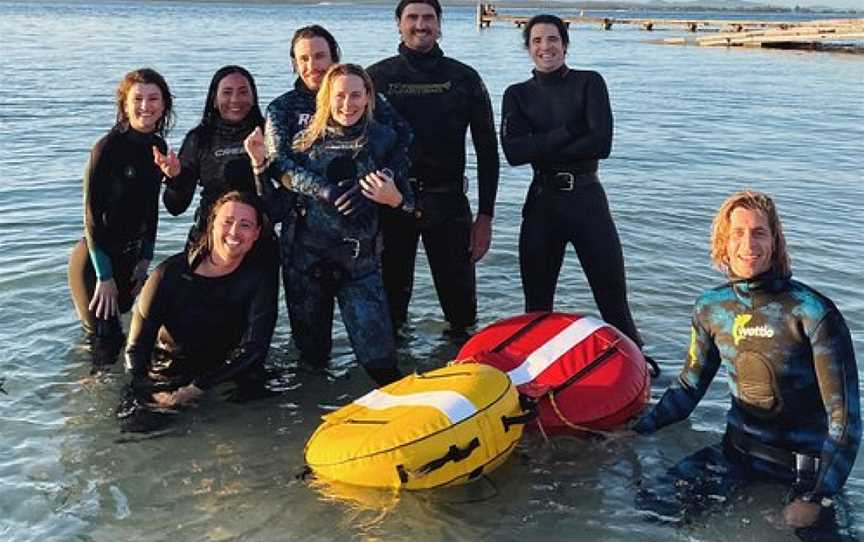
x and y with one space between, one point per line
285 117
792 375
337 256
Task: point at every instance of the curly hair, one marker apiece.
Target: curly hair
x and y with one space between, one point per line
756 201
146 76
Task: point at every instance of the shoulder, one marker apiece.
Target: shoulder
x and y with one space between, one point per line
519 88
383 66
284 102
462 71
108 140
714 296
809 303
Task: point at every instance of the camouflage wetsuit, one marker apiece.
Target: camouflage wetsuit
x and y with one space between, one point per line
336 256
792 375
285 117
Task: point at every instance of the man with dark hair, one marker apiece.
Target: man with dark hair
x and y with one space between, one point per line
313 51
441 98
795 414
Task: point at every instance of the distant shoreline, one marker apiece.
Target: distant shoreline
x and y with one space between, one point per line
588 6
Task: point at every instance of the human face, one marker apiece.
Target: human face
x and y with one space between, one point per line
234 97
419 27
311 60
750 247
546 48
144 106
348 99
235 231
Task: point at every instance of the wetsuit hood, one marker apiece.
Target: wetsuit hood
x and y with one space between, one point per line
419 60
233 130
551 78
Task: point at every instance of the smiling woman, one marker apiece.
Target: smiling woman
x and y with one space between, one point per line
121 210
206 316
212 154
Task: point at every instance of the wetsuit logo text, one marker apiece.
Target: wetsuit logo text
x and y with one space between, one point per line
740 332
418 89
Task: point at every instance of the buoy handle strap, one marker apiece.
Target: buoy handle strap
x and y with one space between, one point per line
589 367
529 413
454 454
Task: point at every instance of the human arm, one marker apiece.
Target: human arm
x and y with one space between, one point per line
679 400
521 142
260 323
483 136
180 187
282 163
837 378
592 138
274 199
147 318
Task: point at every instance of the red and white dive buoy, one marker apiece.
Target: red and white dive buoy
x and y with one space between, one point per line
584 373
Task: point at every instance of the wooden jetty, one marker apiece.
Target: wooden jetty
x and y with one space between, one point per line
724 32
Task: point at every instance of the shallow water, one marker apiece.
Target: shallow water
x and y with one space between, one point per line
692 125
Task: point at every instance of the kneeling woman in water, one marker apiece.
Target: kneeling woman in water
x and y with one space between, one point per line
207 315
121 210
338 171
212 154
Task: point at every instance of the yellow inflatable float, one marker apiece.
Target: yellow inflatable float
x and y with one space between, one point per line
444 427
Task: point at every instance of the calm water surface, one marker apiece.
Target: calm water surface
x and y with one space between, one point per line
692 125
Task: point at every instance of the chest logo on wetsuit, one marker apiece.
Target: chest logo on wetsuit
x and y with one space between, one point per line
229 151
416 89
741 332
303 120
129 172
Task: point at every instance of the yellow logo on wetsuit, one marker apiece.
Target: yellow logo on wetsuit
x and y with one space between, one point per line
740 332
693 345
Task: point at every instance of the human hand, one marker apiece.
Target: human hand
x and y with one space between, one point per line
168 163
799 513
104 301
139 276
481 237
180 396
353 202
379 187
255 147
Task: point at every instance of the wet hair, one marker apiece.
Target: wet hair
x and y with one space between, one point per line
756 201
146 76
323 115
211 112
315 31
204 246
546 19
400 7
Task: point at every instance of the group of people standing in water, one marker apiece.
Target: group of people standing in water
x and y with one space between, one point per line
357 166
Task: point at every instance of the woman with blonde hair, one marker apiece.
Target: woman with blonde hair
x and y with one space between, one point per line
338 171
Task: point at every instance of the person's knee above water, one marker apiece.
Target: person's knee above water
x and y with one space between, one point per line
338 166
442 99
795 413
313 51
560 122
212 153
206 315
121 211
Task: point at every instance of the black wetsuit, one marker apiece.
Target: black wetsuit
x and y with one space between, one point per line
561 123
121 212
440 98
214 157
187 328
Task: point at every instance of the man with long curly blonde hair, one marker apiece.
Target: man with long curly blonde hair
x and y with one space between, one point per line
795 414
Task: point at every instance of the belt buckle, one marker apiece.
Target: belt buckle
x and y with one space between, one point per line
568 178
355 249
806 463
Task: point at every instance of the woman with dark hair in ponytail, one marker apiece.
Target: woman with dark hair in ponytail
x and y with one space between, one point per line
109 264
212 153
206 315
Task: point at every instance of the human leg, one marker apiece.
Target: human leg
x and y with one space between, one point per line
400 237
541 253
